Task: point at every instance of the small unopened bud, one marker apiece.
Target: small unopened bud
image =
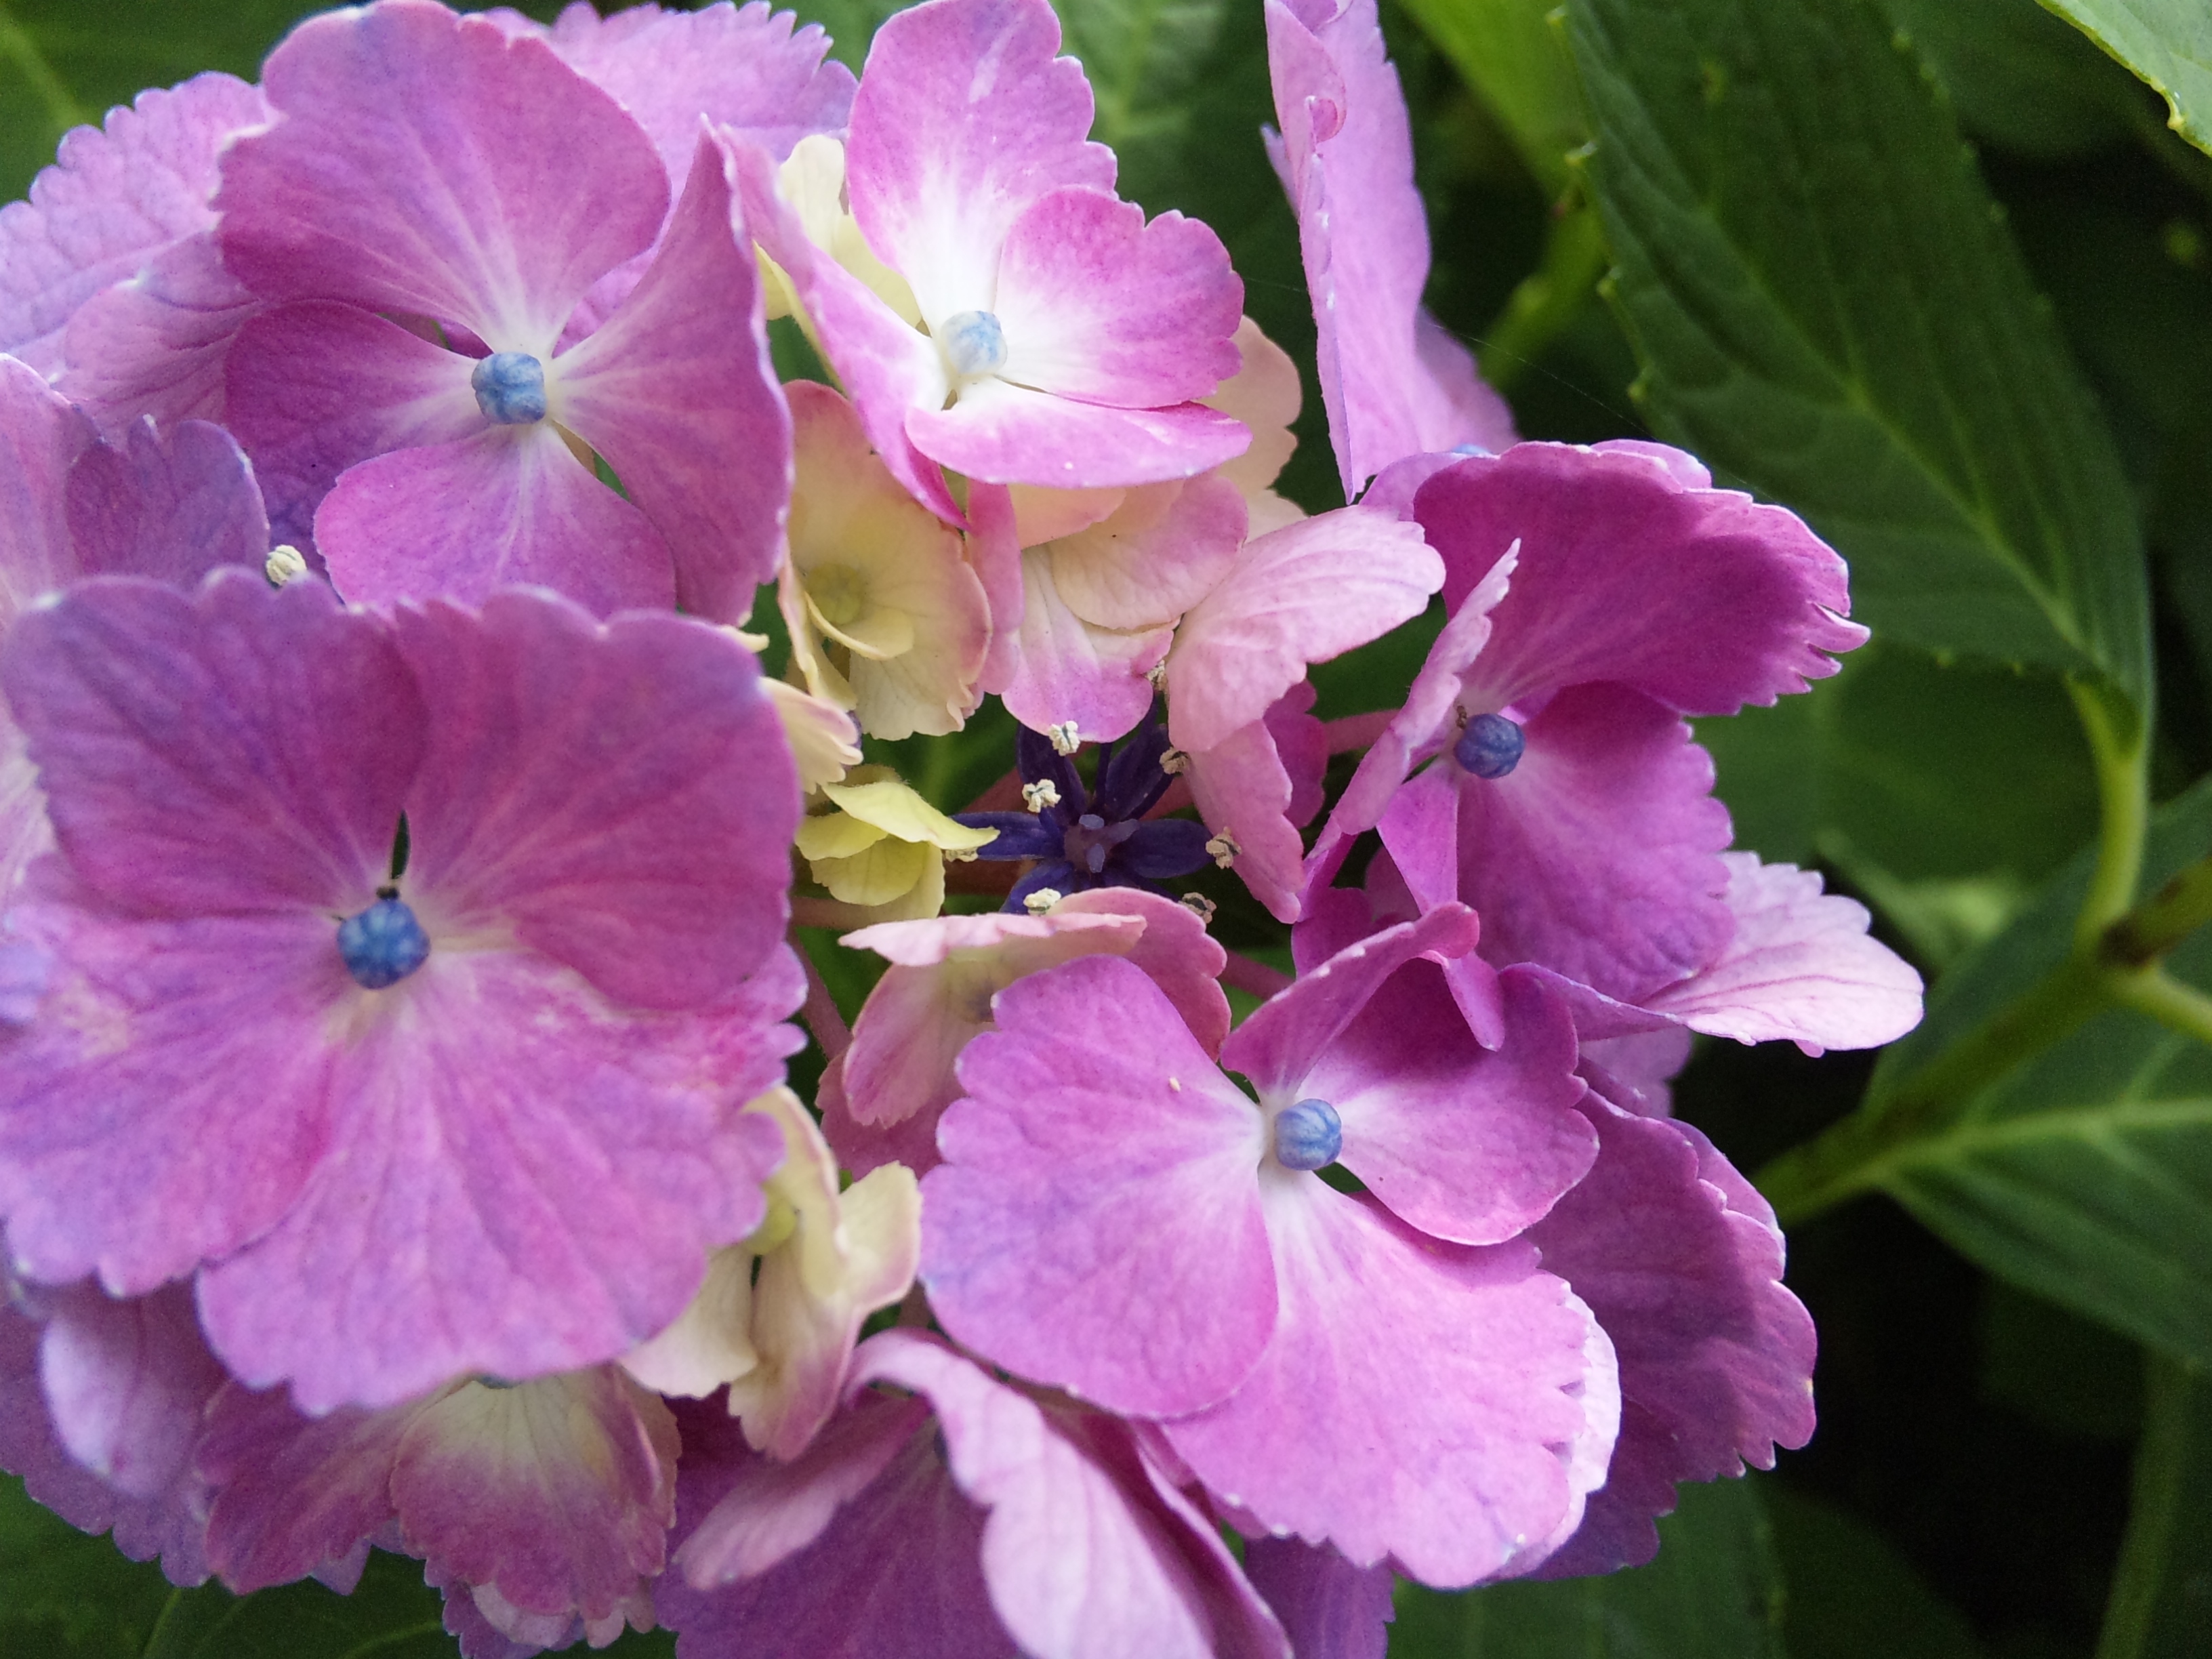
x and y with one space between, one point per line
1041 794
1198 905
1225 848
1042 900
285 564
1064 739
1173 760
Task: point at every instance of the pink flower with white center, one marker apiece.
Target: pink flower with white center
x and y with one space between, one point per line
1395 382
1052 335
434 169
957 1519
1394 1373
478 1113
172 505
1598 596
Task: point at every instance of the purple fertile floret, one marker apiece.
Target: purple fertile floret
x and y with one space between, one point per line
510 388
1490 747
1309 1135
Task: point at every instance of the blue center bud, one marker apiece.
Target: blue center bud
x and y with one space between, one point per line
1309 1135
1490 747
383 945
510 388
973 343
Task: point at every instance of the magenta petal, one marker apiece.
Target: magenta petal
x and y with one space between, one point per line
289 798
1096 1224
1421 1401
1464 1143
677 391
511 505
1702 598
622 797
557 1494
40 439
1102 307
313 389
113 199
1682 1265
128 1382
1008 434
429 164
158 344
1330 1608
494 1199
170 505
1599 855
1286 1036
170 1525
1393 384
1301 594
965 116
1800 965
293 1492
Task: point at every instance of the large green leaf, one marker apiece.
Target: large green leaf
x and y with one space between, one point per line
1829 308
1852 1596
1511 52
64 1594
2161 1602
1712 1594
2018 77
2167 42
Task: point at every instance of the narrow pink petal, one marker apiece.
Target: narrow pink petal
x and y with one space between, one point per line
158 344
496 1201
293 1492
127 1381
1067 671
887 366
1331 1610
1716 1354
1096 1225
1800 966
677 391
1076 1570
1183 959
233 751
1452 406
171 505
995 548
1302 743
1420 1401
1007 434
40 438
1298 595
1102 307
511 505
1465 1143
1244 790
964 116
429 164
313 389
1283 1039
557 1494
113 197
1631 571
1599 854
621 797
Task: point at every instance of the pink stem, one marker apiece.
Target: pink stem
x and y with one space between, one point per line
1257 977
820 1011
820 913
1356 731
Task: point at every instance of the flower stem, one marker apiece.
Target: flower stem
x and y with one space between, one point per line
1549 299
1244 974
2120 745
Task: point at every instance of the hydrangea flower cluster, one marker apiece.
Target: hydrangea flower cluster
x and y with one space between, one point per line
400 845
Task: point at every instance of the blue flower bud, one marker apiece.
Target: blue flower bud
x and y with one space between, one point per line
973 343
1490 747
383 945
1309 1135
510 388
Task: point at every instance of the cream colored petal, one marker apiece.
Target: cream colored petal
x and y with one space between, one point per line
824 740
1043 515
835 834
877 632
882 1217
710 1343
886 873
1264 393
895 808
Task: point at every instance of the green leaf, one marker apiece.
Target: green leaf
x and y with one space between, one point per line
2161 1602
66 1593
2085 1174
392 1614
2166 42
2018 77
2057 1370
1142 56
1510 51
852 24
1947 795
1712 1594
1851 1595
1829 308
